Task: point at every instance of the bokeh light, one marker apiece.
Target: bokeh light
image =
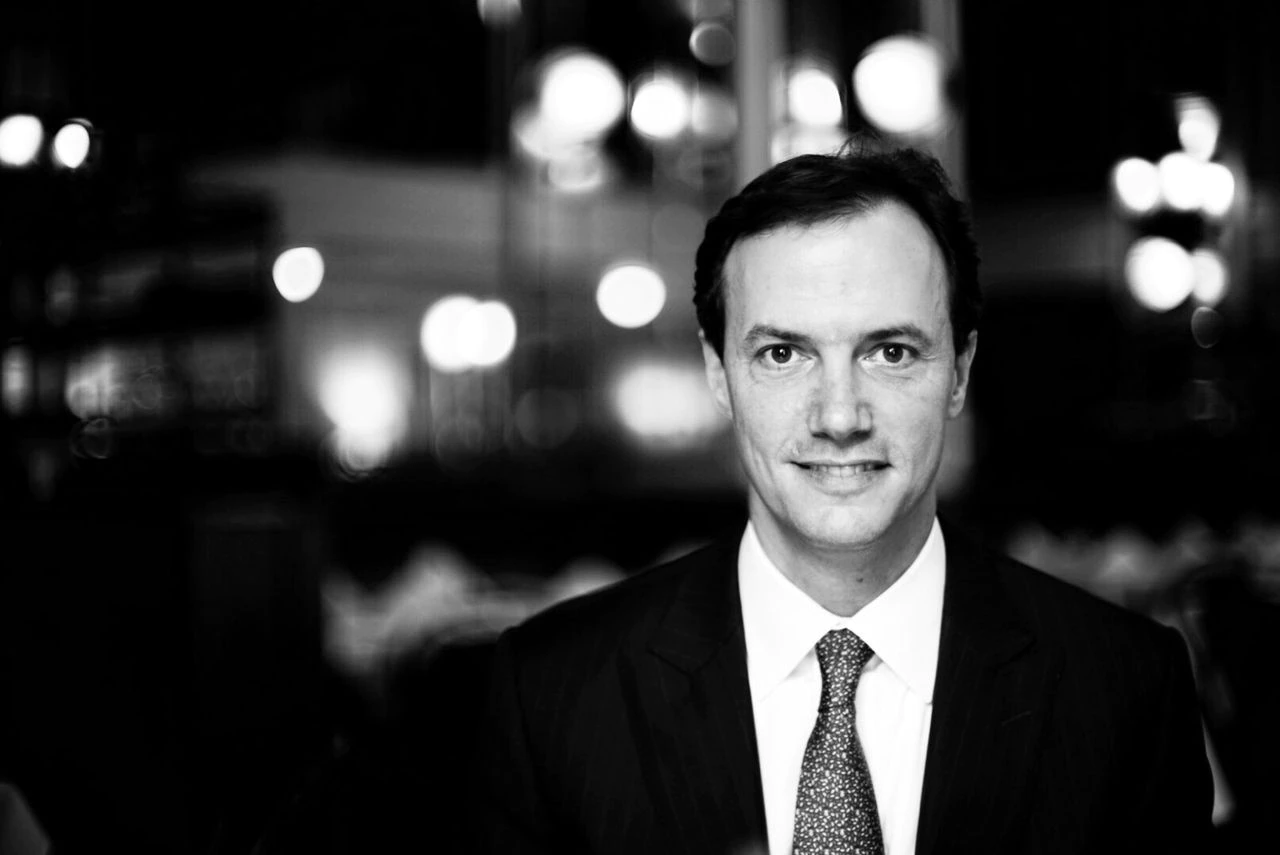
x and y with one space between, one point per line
1198 126
813 98
1181 181
460 332
1159 273
661 105
498 13
712 43
298 273
1206 326
1218 189
580 95
20 138
714 114
666 404
16 380
630 295
361 393
71 144
1136 183
533 136
357 455
441 337
487 333
578 169
1211 276
899 84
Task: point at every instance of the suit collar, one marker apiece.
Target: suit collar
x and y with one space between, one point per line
696 718
706 613
993 690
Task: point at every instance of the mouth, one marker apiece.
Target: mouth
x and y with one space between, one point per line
842 470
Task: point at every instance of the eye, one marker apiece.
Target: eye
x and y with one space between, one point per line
779 354
894 353
897 355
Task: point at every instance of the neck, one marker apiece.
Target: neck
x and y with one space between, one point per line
844 578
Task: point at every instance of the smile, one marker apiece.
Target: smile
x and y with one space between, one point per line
842 469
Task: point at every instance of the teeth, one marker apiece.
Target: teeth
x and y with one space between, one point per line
851 469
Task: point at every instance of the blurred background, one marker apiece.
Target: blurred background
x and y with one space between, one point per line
337 337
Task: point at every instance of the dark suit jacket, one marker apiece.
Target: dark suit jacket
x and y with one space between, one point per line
621 722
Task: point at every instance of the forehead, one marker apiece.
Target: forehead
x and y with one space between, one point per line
882 266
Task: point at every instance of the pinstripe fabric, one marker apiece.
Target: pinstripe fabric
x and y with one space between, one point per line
622 723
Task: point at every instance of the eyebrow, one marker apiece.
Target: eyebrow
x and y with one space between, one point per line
907 331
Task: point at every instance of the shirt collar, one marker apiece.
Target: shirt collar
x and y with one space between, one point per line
782 624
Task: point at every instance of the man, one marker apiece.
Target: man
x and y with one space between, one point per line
845 675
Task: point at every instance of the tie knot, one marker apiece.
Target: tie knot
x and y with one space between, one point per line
842 656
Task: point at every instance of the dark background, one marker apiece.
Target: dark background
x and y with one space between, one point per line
167 683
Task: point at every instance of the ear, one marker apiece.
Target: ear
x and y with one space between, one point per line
716 379
960 384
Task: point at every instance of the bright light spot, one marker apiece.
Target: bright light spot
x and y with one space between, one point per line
298 273
441 339
793 140
1159 273
360 392
1206 327
1181 181
813 97
498 13
1137 184
714 116
16 380
532 135
712 43
666 404
1219 189
94 383
359 454
661 106
1211 276
899 85
460 332
71 145
579 169
487 333
630 295
580 95
1198 126
20 137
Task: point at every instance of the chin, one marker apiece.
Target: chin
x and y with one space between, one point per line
843 530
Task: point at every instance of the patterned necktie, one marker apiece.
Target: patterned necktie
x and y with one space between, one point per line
835 805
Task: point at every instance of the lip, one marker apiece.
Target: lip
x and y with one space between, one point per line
842 468
841 477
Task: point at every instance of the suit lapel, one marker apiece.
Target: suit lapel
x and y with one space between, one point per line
691 693
992 692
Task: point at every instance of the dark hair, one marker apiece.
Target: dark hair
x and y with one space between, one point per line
813 189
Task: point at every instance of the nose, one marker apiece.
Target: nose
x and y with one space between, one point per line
839 409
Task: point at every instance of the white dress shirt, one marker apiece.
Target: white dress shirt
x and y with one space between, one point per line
895 695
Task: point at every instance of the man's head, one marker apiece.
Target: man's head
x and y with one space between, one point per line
813 189
838 300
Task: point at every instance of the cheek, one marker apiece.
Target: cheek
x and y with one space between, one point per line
765 422
917 421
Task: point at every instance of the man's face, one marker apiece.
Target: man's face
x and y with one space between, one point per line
839 374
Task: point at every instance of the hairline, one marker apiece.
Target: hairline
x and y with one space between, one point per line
860 210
